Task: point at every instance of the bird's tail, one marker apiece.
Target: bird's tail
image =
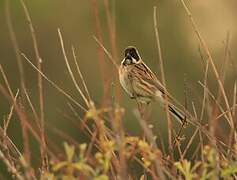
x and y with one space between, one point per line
177 114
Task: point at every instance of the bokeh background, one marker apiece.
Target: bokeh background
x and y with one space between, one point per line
134 26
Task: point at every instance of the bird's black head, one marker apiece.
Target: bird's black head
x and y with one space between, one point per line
131 55
132 51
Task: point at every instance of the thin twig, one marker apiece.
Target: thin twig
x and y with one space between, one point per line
233 108
213 98
203 108
163 80
190 142
36 117
15 45
43 146
69 69
24 130
234 99
10 167
204 45
53 84
7 122
150 137
107 53
204 91
104 69
80 74
21 114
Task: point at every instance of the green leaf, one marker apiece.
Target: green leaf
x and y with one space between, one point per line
83 167
70 150
185 168
59 165
68 177
101 177
48 176
229 171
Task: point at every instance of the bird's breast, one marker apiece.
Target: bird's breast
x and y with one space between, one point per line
124 80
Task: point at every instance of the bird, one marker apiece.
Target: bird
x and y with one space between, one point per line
141 84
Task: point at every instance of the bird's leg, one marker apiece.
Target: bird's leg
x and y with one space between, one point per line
177 137
184 121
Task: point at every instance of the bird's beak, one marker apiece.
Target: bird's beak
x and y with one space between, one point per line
127 59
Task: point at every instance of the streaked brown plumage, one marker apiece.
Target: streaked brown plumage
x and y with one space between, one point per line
140 82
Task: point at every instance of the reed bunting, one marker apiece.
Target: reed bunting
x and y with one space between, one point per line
141 83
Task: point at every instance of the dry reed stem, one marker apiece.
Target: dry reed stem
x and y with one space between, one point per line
91 144
21 114
24 130
23 120
213 98
193 136
106 52
195 123
89 133
213 124
222 76
20 68
112 38
102 64
210 59
80 74
204 92
170 126
84 125
196 152
234 100
205 47
10 167
150 137
232 135
225 112
234 110
15 44
181 158
54 84
7 121
116 123
203 104
189 142
194 110
70 71
43 147
153 175
36 117
8 142
38 60
112 30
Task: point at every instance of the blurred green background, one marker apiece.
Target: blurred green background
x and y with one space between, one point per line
134 26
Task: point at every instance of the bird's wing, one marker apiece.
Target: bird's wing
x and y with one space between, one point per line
148 76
